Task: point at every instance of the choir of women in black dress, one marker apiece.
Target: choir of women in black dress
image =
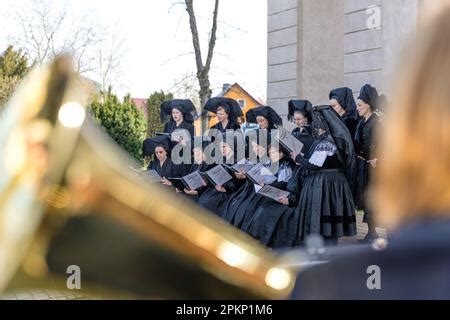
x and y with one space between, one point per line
319 197
365 158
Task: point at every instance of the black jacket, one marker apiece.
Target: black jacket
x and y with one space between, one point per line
171 127
230 126
364 137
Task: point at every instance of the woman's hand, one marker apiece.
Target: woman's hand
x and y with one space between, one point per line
373 163
284 200
191 192
166 182
294 155
221 189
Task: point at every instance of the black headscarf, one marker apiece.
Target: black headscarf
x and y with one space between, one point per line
151 144
345 98
185 106
231 107
326 118
369 95
303 106
267 112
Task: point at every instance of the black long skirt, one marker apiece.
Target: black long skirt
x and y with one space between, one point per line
213 200
275 225
362 180
326 206
241 206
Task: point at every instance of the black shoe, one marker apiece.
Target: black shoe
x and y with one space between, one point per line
369 238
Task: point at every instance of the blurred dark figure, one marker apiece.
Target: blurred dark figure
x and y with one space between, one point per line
411 190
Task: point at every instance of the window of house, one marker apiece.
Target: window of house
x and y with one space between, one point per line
241 103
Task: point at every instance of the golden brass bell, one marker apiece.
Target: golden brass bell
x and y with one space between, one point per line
67 197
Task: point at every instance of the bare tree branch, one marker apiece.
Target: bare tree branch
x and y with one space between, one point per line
203 69
195 37
46 32
212 40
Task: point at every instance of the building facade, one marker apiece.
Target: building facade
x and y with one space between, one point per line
317 45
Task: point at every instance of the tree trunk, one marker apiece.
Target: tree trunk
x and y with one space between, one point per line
203 69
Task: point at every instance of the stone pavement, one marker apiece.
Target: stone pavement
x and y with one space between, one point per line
39 294
362 231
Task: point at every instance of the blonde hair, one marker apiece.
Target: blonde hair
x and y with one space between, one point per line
412 180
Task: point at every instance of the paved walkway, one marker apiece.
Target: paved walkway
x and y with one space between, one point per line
362 231
39 294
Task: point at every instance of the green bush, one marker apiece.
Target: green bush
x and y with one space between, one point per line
123 121
153 106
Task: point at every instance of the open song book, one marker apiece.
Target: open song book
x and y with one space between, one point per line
260 175
273 193
217 176
287 140
193 181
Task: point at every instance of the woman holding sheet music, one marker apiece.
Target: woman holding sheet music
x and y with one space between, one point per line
181 115
215 196
274 222
198 165
241 206
326 204
162 164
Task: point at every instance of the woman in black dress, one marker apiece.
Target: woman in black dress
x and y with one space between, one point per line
240 208
227 111
159 147
326 204
215 198
265 117
299 111
199 164
365 160
181 115
275 222
342 101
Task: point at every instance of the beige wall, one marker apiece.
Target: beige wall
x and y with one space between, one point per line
316 45
321 43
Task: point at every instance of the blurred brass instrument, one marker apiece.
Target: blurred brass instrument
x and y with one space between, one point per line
68 197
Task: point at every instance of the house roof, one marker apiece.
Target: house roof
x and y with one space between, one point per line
224 92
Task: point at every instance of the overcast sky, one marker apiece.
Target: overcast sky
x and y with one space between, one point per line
158 40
